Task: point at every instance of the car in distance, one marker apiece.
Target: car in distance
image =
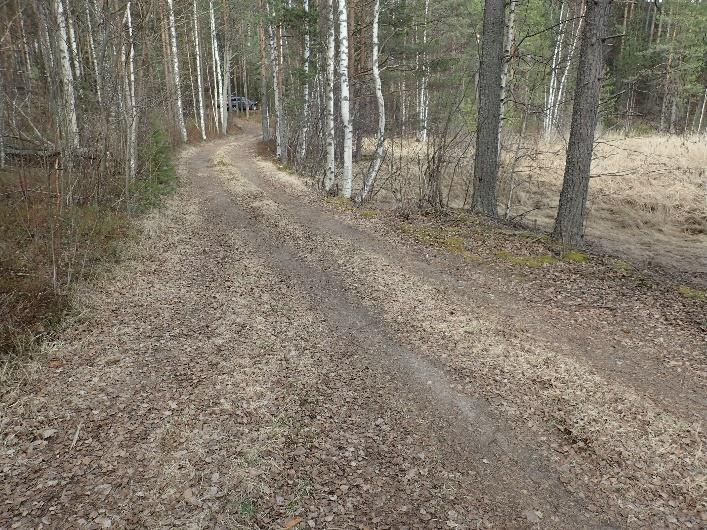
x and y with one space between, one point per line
242 103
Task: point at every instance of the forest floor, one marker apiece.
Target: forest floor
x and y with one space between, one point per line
266 358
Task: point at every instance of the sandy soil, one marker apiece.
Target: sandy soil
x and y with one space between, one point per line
265 359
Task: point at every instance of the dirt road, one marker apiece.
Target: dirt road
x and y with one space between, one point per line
263 359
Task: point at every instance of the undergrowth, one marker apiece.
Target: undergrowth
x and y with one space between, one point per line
46 245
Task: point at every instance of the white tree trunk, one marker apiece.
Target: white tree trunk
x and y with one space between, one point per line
132 126
75 55
556 56
264 105
380 143
329 88
423 106
226 84
94 58
347 180
702 112
70 125
554 121
305 95
175 71
199 82
281 148
508 49
217 78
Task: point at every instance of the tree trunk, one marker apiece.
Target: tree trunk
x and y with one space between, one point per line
70 125
571 214
702 112
175 71
347 179
305 93
507 51
264 105
329 87
281 148
380 140
423 97
489 110
133 116
199 82
217 79
94 58
551 99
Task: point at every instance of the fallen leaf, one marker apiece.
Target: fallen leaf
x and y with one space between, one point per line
292 523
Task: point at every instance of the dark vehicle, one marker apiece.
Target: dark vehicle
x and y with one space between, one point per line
241 103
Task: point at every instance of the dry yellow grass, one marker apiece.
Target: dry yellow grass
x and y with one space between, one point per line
647 200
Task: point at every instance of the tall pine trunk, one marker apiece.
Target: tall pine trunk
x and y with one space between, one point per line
571 214
483 199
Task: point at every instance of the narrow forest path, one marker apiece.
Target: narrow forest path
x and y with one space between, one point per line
262 358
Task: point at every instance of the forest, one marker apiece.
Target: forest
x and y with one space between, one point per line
498 205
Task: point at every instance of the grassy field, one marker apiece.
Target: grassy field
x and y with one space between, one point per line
647 198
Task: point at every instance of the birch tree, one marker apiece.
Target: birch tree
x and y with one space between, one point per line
347 178
175 71
221 126
380 139
69 118
329 89
280 138
423 97
264 104
305 89
199 81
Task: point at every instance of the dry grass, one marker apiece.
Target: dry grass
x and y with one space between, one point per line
647 197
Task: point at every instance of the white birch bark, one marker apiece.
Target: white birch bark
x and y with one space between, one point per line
132 129
70 124
305 95
75 55
329 89
94 58
217 77
175 70
508 49
275 68
556 56
347 179
702 112
380 140
423 106
264 105
554 122
199 82
226 85
215 92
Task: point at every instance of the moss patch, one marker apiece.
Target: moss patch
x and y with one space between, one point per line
692 294
447 238
575 256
